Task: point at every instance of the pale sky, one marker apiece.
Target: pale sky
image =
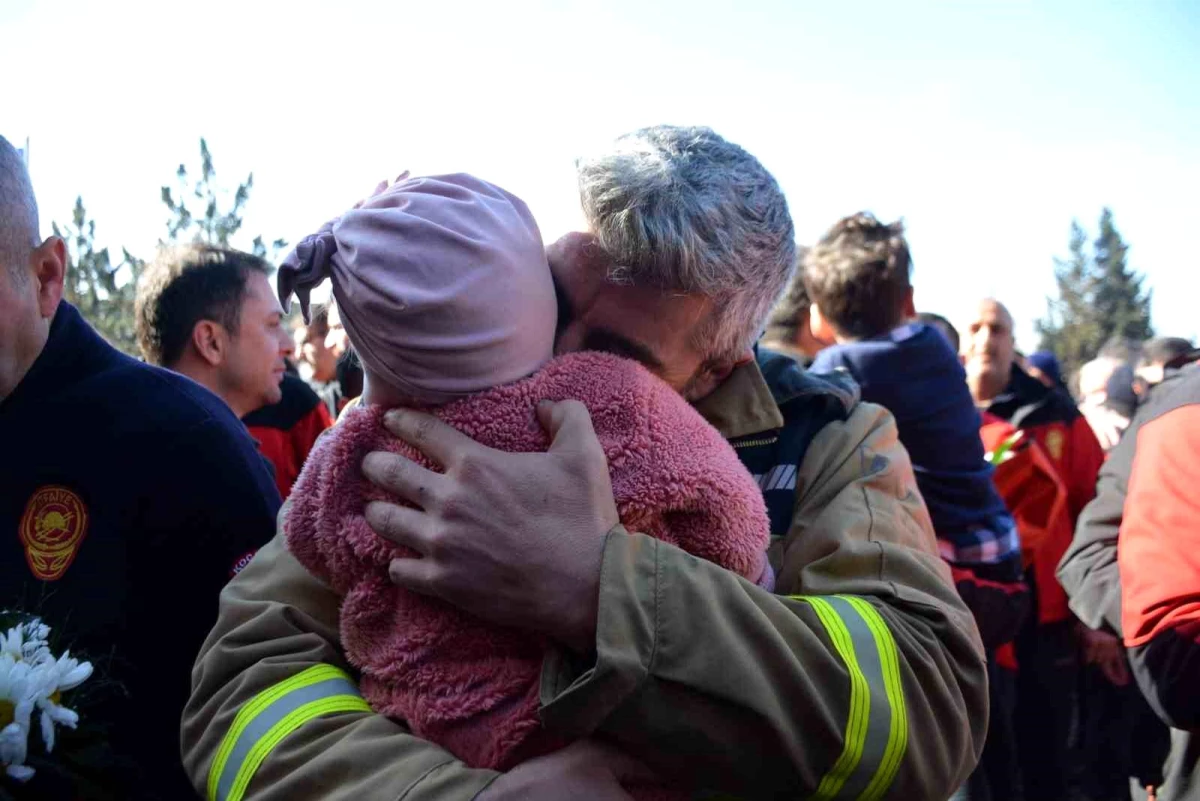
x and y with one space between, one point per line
988 126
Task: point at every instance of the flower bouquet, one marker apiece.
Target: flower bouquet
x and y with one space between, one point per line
33 682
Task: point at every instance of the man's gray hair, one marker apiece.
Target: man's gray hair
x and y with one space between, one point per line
682 210
18 210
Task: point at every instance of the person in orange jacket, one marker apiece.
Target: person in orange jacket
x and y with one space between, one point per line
1130 571
1046 648
1158 554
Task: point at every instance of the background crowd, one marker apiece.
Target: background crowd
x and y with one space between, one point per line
701 479
1029 477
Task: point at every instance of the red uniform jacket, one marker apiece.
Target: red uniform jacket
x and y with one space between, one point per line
1134 566
1158 552
1063 435
287 430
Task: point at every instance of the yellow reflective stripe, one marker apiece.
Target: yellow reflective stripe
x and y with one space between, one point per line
860 701
313 675
293 721
876 734
889 658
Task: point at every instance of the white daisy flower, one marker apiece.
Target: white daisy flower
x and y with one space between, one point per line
32 678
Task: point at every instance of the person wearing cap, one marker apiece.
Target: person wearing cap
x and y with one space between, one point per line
788 330
1043 365
860 675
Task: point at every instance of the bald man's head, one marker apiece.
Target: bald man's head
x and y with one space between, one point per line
31 273
18 211
988 350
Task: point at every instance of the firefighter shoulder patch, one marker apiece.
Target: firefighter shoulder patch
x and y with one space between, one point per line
51 529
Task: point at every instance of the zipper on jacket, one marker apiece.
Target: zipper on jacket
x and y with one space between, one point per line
753 443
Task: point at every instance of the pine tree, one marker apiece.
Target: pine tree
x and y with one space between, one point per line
1099 299
103 292
1121 308
212 225
1069 328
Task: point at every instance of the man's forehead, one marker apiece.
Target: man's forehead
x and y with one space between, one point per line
260 291
993 311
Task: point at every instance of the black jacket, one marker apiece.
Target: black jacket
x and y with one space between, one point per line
129 495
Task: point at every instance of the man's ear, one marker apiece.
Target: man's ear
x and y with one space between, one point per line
50 270
211 342
819 327
910 307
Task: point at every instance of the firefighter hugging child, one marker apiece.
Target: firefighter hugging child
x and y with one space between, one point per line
443 287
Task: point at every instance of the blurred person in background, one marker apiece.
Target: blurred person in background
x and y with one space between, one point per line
1131 574
1159 357
788 330
1043 365
1046 648
942 326
858 276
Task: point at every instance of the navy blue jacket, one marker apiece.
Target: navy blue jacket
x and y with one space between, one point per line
129 495
914 373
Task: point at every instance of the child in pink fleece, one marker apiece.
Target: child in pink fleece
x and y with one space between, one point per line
443 287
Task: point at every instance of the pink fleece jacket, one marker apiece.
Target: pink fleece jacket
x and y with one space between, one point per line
467 685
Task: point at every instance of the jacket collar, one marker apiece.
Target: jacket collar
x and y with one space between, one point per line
742 405
73 351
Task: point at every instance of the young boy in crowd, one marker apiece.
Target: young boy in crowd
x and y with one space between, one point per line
858 279
862 299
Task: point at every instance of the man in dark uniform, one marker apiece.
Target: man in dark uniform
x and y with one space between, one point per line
128 497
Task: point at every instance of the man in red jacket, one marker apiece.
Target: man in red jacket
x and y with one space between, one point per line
1158 552
1133 570
1046 648
286 431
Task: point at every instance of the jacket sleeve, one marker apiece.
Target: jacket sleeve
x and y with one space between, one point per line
275 712
865 673
1088 570
1159 558
1084 457
998 603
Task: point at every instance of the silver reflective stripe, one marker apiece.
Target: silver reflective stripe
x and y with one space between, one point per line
781 476
273 714
879 716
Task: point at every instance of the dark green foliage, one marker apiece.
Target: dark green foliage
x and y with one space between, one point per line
200 211
101 290
1099 299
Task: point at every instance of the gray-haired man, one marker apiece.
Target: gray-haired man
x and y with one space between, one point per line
863 678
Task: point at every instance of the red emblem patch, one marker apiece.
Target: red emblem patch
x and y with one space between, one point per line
52 529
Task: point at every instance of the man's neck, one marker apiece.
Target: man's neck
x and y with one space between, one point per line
40 337
208 379
983 391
